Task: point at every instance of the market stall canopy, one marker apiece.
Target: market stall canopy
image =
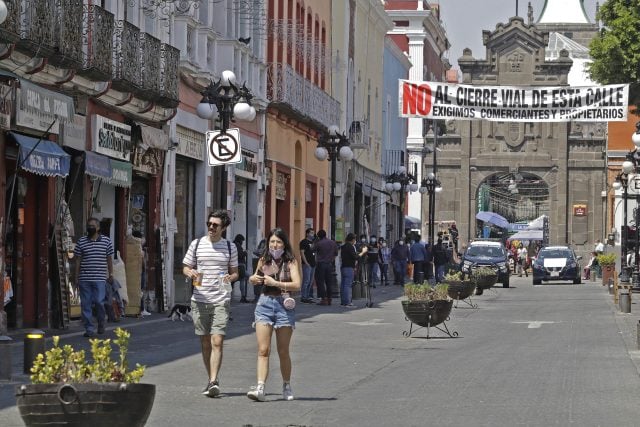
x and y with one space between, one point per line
493 218
537 224
412 222
41 156
527 235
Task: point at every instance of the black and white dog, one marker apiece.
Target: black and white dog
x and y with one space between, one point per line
180 311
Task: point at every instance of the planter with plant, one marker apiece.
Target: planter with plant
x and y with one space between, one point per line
460 287
427 306
607 265
484 278
68 390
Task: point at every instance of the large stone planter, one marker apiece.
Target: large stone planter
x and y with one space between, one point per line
608 272
428 314
461 290
87 404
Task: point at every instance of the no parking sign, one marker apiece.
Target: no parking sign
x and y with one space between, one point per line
224 148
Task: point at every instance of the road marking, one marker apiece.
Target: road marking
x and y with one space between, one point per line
370 322
535 324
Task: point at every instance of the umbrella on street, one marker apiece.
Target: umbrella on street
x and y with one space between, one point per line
493 218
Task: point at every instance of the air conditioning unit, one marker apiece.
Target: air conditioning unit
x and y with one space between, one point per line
359 134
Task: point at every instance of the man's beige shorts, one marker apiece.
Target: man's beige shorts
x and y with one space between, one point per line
210 319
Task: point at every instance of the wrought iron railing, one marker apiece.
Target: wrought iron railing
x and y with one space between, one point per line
97 42
127 67
36 28
169 65
67 34
150 65
285 85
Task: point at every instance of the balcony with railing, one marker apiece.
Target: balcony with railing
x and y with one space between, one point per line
169 66
127 68
286 86
150 66
97 42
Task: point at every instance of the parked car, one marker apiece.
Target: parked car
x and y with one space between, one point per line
557 263
487 253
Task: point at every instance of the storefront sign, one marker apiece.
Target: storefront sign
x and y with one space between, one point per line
435 100
41 156
6 101
111 138
73 133
37 108
190 143
579 210
281 186
249 167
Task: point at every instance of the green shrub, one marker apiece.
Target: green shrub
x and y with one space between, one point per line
606 260
425 292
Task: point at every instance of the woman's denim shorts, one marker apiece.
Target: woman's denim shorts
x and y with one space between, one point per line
270 311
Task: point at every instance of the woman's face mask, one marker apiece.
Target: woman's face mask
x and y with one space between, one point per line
401 243
276 253
384 245
363 240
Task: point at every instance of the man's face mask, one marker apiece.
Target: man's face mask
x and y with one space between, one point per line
91 230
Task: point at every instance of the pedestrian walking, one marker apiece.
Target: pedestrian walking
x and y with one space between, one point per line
348 260
242 267
383 261
373 258
94 270
212 264
308 258
399 258
440 260
279 273
522 260
418 258
326 252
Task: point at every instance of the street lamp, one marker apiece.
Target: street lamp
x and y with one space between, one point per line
401 182
431 185
333 146
226 100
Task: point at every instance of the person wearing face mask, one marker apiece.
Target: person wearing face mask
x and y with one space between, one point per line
94 270
279 273
399 258
383 261
308 258
373 256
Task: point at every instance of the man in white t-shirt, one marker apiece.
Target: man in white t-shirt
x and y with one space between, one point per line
599 248
522 260
216 259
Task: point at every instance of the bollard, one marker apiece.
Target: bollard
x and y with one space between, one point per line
33 345
625 302
5 358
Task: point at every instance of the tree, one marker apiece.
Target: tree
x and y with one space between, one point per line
616 49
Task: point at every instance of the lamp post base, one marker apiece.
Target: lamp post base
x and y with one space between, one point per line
635 280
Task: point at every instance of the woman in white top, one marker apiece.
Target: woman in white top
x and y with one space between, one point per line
522 261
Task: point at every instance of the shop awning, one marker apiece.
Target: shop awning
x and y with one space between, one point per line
97 165
121 173
412 222
44 157
154 138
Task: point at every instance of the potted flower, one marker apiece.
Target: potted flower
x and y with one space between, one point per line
67 389
484 278
426 306
607 264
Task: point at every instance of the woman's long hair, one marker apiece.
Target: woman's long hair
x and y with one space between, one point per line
287 256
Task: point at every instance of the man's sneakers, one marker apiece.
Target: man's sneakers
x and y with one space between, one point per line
212 389
287 393
257 393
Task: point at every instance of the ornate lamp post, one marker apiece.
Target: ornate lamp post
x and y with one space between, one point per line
431 186
402 183
226 100
333 146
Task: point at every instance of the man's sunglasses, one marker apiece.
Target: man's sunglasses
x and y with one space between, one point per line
213 225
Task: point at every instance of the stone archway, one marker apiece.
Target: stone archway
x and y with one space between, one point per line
520 197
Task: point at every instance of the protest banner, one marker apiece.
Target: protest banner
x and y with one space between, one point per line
436 100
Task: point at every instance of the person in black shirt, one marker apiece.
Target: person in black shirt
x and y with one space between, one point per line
372 260
440 259
349 258
308 257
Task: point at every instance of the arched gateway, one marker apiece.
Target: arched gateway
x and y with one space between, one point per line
558 168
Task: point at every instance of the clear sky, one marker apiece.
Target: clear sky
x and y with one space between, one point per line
464 20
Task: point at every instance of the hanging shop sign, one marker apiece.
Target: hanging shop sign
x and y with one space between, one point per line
249 166
6 103
111 138
73 133
190 143
281 186
121 173
98 166
147 160
37 108
435 100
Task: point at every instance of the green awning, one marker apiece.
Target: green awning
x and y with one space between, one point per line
121 174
